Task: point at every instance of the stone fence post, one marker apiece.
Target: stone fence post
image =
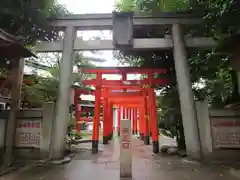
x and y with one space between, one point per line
204 124
47 129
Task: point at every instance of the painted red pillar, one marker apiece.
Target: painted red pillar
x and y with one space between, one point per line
77 112
105 121
141 122
129 113
146 121
124 112
110 127
119 118
134 121
153 115
124 78
150 121
137 121
154 124
96 122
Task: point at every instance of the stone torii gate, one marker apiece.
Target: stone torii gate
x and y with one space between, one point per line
122 25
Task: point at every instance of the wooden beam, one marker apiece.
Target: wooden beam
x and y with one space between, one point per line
120 70
162 81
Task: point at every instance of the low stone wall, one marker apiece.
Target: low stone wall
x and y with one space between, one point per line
33 132
219 133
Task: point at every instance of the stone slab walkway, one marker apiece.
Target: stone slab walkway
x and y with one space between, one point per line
105 166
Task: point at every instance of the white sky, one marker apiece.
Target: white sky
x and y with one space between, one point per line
88 6
93 6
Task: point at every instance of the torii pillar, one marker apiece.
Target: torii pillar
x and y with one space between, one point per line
188 109
64 93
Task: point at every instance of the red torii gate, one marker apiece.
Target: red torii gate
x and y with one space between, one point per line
137 100
127 103
77 93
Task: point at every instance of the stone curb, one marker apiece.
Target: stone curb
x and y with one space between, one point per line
9 170
234 172
17 167
190 161
81 141
65 160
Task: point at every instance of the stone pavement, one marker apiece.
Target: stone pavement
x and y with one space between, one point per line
105 166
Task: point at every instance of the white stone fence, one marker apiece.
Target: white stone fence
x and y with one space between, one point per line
33 132
219 131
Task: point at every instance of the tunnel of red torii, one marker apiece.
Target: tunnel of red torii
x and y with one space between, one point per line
134 100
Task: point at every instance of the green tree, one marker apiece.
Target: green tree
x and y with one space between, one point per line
46 88
211 73
27 19
153 6
210 68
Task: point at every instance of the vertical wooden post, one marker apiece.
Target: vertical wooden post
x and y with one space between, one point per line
77 110
96 123
136 121
129 113
119 118
17 77
110 108
105 119
146 120
124 78
149 119
133 120
154 124
124 113
153 115
126 109
141 122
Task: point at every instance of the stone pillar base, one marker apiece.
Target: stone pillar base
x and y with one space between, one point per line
94 147
155 147
110 136
146 140
105 139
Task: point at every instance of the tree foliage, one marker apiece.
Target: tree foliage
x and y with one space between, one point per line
27 19
213 78
46 88
211 69
152 5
